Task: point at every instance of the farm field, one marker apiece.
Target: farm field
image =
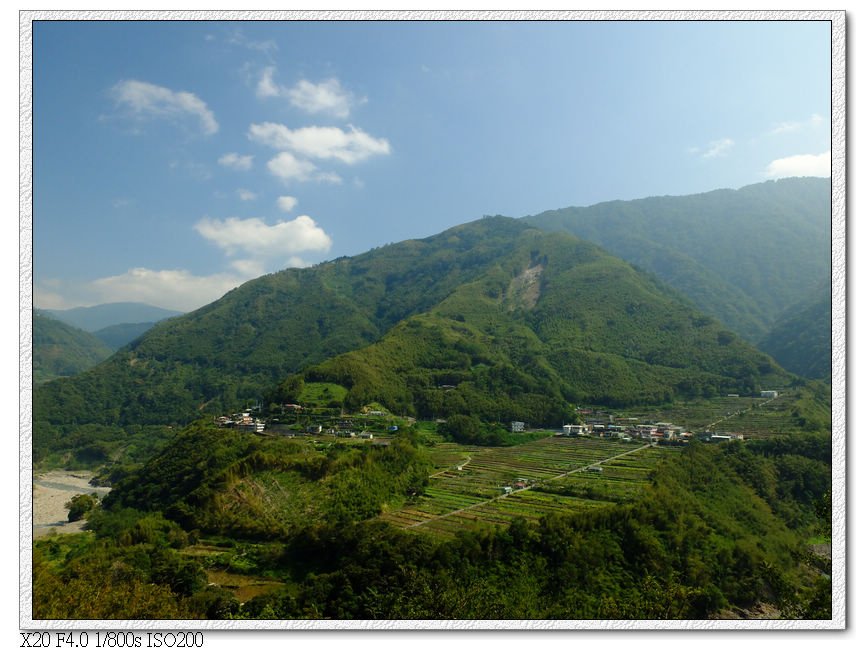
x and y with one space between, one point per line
752 416
543 477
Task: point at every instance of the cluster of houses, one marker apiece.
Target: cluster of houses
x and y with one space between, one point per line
657 433
243 421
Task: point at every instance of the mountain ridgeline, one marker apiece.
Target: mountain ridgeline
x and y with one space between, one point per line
494 318
743 256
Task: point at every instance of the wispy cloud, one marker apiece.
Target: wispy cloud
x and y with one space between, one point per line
814 121
327 97
718 148
322 142
236 161
238 37
800 165
141 100
246 195
266 86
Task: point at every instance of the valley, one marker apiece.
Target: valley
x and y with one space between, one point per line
503 420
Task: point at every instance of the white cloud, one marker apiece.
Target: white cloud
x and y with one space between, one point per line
146 100
236 161
254 237
322 142
791 127
266 86
249 268
801 165
246 195
718 148
286 203
172 289
289 168
326 97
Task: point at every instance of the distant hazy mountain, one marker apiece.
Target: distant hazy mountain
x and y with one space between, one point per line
60 350
92 319
743 256
116 336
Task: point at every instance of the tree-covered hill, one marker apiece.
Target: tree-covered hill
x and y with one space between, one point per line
558 321
60 350
801 340
743 256
521 321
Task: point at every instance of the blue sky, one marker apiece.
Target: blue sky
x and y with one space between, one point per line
176 160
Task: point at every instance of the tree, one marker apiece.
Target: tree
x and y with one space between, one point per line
80 505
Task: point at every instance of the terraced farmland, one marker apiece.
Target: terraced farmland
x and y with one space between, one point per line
544 476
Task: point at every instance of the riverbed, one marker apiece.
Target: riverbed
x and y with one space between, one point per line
51 491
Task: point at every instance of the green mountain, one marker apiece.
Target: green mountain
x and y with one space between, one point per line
97 317
116 336
60 350
801 339
558 321
743 256
521 321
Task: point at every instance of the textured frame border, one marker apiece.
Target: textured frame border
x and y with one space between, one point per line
839 330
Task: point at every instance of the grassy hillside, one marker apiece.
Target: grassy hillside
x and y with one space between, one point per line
60 350
743 256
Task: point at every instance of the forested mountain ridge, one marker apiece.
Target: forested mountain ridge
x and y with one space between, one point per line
743 256
557 322
801 339
61 350
562 319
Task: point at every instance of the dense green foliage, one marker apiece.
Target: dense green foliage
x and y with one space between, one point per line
221 480
80 505
801 339
521 322
60 350
743 256
557 322
719 528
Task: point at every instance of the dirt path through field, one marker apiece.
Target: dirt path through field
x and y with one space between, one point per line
51 491
581 468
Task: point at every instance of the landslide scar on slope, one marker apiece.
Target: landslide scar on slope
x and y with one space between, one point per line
525 289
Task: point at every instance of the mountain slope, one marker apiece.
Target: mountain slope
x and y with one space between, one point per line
60 350
801 340
742 256
558 321
235 348
522 321
116 336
